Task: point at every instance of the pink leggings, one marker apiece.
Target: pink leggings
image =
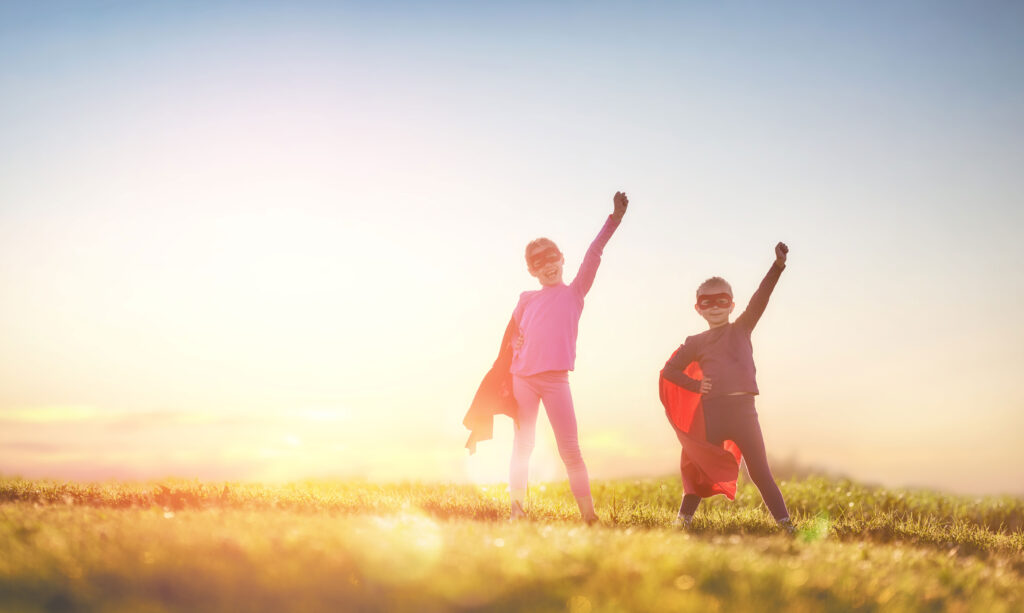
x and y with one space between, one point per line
553 388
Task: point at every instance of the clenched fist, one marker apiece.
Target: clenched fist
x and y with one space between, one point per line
780 254
621 202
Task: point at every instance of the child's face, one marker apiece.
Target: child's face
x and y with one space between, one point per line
546 264
715 305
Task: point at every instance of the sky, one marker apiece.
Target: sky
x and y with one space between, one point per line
262 241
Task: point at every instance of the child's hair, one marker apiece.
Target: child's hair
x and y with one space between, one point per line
712 282
539 242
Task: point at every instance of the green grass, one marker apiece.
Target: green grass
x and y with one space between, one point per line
193 546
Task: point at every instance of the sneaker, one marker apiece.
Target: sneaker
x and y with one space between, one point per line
518 512
788 526
684 523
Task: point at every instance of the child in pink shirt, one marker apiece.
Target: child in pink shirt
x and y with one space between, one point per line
544 353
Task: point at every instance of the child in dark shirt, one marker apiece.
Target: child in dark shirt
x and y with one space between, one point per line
725 356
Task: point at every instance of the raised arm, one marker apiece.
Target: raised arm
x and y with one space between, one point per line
758 302
588 269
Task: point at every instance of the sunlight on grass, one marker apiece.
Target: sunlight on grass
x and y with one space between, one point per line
191 545
815 528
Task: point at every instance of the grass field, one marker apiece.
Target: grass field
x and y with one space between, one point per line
352 546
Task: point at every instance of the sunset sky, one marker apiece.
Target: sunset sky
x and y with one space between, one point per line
244 240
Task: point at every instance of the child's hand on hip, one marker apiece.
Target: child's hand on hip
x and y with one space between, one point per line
705 385
621 202
780 254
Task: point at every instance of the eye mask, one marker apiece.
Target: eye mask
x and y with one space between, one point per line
539 260
707 301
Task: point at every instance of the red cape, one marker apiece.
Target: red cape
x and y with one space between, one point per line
494 396
707 469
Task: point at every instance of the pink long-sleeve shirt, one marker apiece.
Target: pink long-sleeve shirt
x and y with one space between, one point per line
549 318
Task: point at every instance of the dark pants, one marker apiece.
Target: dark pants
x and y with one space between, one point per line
734 418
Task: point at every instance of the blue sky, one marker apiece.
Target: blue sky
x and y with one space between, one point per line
255 209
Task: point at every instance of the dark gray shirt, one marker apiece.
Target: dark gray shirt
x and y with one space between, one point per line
725 353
